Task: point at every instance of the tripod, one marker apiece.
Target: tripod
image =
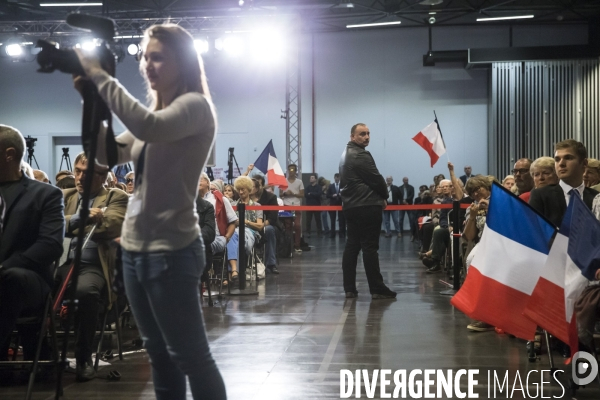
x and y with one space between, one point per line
230 161
31 157
65 157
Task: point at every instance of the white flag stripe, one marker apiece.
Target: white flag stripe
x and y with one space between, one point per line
521 272
554 269
434 136
574 283
274 165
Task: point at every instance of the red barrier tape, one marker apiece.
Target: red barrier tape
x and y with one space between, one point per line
339 208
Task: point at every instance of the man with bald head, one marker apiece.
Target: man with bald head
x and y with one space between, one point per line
30 241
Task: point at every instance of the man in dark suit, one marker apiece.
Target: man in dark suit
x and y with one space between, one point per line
363 192
95 274
333 194
271 219
394 198
570 160
467 175
408 194
206 220
30 242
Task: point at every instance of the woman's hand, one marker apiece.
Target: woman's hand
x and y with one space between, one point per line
450 167
473 209
484 204
89 62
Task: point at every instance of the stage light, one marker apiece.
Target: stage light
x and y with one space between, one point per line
133 49
241 3
267 46
232 45
503 18
201 46
14 50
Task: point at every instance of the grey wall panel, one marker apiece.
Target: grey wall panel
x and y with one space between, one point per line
552 101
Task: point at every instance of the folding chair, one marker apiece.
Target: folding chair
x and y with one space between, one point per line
103 331
219 260
44 321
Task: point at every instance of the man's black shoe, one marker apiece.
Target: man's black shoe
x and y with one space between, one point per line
429 262
434 269
389 294
273 269
351 295
85 372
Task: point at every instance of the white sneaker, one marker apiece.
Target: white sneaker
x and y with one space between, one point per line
298 251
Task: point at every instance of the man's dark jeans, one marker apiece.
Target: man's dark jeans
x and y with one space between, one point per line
439 243
364 225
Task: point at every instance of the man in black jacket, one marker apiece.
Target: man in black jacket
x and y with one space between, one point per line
363 194
335 198
408 194
206 220
570 160
394 198
271 219
312 193
31 240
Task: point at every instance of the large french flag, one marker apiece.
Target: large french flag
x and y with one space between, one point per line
509 259
430 139
267 163
572 263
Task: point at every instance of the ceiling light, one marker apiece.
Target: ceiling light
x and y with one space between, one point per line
344 5
503 18
133 49
14 50
70 4
373 24
431 2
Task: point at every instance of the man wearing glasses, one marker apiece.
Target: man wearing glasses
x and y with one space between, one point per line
523 178
107 211
130 182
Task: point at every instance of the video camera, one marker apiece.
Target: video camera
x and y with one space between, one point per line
50 58
30 142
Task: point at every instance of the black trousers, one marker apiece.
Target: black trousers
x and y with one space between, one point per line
22 292
426 236
90 293
341 221
317 217
439 243
364 225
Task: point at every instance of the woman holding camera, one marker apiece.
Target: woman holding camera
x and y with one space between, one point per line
163 254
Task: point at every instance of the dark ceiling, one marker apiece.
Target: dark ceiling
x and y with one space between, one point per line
313 15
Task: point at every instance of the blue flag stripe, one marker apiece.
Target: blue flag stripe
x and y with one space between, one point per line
262 162
513 218
584 237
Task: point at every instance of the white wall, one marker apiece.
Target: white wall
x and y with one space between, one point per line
374 76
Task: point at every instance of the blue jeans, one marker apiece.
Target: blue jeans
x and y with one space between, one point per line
270 246
234 244
325 220
162 288
386 221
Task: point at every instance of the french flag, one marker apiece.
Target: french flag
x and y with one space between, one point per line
430 138
572 263
267 164
503 274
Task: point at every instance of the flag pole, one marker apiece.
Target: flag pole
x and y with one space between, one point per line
442 136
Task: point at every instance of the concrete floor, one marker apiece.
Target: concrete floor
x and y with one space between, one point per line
292 340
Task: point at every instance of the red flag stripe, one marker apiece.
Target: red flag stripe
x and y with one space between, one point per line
427 145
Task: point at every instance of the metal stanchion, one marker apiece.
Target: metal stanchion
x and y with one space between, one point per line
242 260
456 262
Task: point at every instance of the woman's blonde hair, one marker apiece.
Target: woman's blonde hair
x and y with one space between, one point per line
542 162
594 164
191 68
477 181
507 177
244 182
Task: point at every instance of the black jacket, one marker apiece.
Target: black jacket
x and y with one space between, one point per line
550 201
269 199
361 183
396 195
410 193
206 220
313 195
331 191
34 226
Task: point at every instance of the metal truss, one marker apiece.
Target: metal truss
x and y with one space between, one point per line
292 112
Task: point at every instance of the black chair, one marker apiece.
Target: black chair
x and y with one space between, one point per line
215 276
47 327
103 332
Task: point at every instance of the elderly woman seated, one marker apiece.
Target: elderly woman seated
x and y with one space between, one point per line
591 175
543 173
246 187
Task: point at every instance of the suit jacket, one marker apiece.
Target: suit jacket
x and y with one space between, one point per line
464 179
410 193
33 228
115 201
312 193
269 199
550 202
331 191
397 195
206 220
